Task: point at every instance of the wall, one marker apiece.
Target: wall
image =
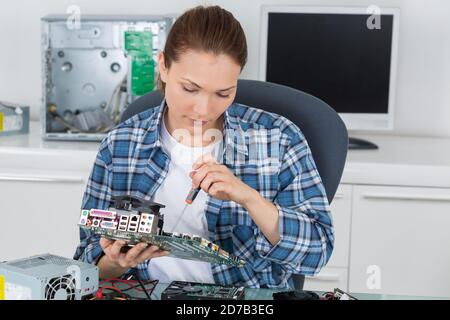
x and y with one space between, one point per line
423 80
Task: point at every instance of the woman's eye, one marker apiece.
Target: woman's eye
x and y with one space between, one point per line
188 90
223 96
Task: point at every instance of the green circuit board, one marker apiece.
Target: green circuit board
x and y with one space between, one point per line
179 246
138 45
181 290
143 223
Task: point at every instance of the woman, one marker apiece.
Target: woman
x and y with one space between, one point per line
261 196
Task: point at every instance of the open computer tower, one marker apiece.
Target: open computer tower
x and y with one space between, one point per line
93 69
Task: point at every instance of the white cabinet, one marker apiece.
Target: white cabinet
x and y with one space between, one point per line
335 273
327 280
39 214
41 189
400 241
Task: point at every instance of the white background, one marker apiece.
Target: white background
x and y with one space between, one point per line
423 78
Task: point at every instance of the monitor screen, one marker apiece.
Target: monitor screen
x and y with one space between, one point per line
333 56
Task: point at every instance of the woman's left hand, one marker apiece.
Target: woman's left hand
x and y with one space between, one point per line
218 181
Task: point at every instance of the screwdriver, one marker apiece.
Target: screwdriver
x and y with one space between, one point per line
192 195
194 191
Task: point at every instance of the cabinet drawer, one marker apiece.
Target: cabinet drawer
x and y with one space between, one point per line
327 280
400 241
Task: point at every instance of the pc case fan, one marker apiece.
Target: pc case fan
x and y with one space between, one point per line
60 288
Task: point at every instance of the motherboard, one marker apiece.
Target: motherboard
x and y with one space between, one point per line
135 220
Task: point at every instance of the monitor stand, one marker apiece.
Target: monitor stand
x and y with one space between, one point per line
360 144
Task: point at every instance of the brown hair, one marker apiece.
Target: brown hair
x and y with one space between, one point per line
208 29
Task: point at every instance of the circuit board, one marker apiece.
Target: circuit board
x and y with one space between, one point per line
180 290
145 227
138 46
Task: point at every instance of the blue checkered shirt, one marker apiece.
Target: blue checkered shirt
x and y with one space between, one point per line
266 151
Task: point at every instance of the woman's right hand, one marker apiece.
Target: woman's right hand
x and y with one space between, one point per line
114 263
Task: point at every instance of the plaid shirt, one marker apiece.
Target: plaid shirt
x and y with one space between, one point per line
267 152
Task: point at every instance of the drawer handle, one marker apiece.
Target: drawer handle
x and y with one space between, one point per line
325 277
338 196
405 197
41 179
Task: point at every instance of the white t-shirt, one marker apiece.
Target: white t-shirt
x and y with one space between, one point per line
172 193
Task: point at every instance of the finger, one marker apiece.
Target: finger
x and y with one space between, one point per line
204 159
161 253
222 168
192 173
135 252
105 243
147 253
214 167
198 176
114 249
212 177
196 167
217 188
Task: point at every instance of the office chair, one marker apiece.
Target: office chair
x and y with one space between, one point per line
323 128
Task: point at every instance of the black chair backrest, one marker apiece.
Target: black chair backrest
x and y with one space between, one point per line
323 128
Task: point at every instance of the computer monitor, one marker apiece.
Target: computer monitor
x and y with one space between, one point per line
342 55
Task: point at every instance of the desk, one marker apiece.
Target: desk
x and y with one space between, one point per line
266 294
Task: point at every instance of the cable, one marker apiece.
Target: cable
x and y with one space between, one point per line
57 116
101 295
112 111
114 100
137 285
7 106
143 287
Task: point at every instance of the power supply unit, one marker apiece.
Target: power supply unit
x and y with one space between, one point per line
92 70
14 118
47 277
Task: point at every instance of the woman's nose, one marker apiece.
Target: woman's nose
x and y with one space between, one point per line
201 108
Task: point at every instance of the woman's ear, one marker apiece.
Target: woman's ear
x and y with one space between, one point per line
162 67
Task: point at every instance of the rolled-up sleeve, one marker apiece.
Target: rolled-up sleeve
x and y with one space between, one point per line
305 223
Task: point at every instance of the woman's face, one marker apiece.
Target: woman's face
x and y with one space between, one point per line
199 88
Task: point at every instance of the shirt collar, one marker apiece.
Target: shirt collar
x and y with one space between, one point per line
234 134
153 137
